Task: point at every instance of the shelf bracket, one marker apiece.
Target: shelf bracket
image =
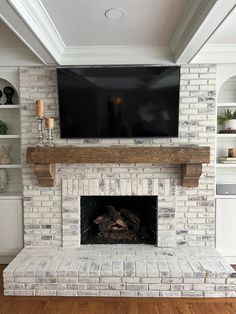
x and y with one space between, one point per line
190 174
45 173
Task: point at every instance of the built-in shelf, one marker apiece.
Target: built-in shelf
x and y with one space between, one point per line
7 136
9 106
225 196
15 195
224 135
189 157
226 104
10 166
219 165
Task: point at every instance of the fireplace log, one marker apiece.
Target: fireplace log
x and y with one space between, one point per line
112 212
130 215
106 225
100 219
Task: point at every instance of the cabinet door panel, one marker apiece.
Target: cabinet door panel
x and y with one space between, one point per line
10 227
226 226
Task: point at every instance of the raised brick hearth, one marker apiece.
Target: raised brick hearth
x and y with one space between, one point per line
118 270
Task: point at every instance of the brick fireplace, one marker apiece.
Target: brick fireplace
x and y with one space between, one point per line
182 262
185 215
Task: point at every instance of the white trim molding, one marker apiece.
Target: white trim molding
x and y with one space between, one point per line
197 25
99 55
37 18
17 25
214 53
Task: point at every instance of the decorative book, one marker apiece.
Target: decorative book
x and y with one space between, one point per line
228 160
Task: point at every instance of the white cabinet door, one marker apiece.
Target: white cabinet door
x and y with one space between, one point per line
226 228
11 238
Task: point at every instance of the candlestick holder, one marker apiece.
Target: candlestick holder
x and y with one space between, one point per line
49 138
40 136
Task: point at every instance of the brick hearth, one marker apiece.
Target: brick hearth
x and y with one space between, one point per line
118 270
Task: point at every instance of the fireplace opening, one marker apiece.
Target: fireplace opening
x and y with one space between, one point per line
118 219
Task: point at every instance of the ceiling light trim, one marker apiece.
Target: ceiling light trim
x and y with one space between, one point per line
122 13
36 17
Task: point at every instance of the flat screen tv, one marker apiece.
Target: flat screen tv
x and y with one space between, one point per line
119 101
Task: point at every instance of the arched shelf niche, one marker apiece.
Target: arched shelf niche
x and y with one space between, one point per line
227 91
4 83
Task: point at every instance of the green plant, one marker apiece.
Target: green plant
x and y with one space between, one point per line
226 115
3 127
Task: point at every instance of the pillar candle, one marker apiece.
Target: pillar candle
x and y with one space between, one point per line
49 123
39 108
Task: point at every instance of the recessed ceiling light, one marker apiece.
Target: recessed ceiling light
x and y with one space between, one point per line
115 13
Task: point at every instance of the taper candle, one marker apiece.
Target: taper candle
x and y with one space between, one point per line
49 123
39 108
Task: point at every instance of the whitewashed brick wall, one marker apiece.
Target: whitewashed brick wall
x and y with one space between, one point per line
194 207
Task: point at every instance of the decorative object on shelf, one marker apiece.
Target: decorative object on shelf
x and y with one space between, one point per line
227 131
40 117
49 125
228 160
9 93
3 128
3 180
5 155
232 152
0 96
228 119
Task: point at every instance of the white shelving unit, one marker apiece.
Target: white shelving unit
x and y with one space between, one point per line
225 173
227 135
10 114
226 104
11 166
11 200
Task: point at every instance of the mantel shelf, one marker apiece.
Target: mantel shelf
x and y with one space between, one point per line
190 157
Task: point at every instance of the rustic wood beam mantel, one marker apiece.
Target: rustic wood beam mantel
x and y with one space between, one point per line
190 157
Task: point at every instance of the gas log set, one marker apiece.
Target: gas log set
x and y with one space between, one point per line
118 225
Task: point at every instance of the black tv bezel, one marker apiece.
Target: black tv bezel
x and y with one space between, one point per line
116 66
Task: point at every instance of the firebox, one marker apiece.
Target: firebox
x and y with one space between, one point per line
118 219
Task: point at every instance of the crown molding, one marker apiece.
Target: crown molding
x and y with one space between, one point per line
199 22
215 53
9 16
37 18
98 55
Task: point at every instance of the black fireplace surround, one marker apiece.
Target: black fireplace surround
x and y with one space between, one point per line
119 219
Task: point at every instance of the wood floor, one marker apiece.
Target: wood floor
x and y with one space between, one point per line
73 305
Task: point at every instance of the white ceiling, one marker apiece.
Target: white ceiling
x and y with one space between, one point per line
148 22
76 32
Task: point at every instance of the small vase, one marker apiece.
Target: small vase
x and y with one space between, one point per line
9 92
230 124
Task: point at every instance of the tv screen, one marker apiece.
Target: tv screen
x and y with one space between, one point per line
119 101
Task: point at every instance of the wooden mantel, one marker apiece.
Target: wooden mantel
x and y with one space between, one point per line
190 158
